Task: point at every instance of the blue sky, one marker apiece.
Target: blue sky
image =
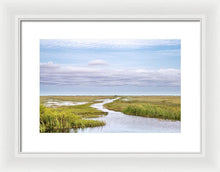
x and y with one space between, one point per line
109 67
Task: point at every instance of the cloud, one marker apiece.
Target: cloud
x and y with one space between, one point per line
107 43
54 74
50 63
97 62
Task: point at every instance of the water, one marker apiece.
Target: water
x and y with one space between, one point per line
117 122
63 103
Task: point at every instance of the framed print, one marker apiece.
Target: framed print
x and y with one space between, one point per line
113 86
62 48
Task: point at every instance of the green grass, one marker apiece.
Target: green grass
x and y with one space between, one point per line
84 111
63 118
163 107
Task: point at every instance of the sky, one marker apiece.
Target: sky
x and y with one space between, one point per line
110 67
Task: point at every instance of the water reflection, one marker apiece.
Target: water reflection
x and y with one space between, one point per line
117 122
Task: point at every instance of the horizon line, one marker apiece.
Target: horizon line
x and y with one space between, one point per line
114 95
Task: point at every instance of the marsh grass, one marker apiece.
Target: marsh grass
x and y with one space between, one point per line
163 107
63 118
84 111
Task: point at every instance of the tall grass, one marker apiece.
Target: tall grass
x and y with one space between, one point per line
152 111
56 120
163 107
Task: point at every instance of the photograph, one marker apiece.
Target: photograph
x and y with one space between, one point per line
110 86
115 86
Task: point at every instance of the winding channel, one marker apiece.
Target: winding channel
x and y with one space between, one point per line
118 122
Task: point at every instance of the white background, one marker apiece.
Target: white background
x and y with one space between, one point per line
186 141
109 8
